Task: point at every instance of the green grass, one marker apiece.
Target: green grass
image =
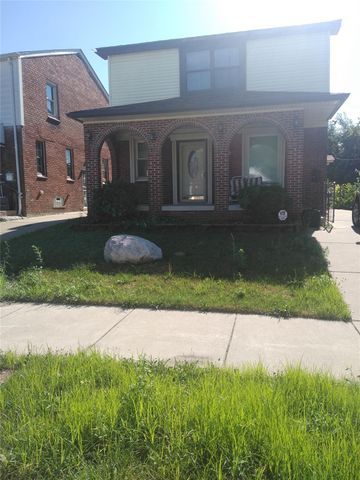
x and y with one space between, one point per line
90 417
266 273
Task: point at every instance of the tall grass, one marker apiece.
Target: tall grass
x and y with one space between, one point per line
90 417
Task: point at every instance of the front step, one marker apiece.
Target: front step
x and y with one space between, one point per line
7 213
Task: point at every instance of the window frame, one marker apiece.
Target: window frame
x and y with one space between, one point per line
211 47
55 101
281 154
43 172
68 177
134 167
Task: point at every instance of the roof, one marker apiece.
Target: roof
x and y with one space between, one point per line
209 101
331 27
70 51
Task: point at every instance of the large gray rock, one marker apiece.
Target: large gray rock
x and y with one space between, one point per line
131 249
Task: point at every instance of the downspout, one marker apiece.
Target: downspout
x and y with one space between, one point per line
18 181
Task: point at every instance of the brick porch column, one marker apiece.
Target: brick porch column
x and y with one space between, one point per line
221 176
93 173
294 165
155 175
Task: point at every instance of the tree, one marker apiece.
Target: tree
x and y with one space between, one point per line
344 145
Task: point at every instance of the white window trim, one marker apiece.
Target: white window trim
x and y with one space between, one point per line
178 137
263 132
133 161
56 100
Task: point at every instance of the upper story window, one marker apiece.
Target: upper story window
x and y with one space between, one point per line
217 68
69 157
41 159
52 103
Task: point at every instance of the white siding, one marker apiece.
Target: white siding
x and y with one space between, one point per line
144 76
6 97
289 63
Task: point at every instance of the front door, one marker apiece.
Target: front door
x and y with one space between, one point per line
192 171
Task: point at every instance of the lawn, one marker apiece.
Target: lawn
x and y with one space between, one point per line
267 273
87 417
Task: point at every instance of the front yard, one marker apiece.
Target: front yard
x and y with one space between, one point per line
267 273
86 417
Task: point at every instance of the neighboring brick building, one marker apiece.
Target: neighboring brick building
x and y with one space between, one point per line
43 87
192 120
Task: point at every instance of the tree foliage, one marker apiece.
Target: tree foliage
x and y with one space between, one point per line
344 145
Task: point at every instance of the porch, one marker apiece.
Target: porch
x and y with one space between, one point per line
195 167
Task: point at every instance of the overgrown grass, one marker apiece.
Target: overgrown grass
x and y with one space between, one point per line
270 273
90 417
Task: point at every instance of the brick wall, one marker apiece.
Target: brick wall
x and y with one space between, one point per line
315 150
76 91
222 130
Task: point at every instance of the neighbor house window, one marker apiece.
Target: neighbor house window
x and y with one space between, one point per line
52 100
207 69
264 155
69 157
41 159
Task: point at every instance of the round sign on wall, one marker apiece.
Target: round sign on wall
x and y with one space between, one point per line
282 215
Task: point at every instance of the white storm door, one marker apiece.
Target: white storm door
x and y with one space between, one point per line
192 171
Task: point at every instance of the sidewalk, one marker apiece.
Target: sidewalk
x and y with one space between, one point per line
343 245
15 228
222 339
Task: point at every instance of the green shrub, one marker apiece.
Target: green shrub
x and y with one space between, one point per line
264 202
345 194
116 201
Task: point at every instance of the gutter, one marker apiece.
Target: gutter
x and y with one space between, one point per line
17 162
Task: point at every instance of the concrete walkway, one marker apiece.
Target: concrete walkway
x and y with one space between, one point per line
15 228
223 339
343 245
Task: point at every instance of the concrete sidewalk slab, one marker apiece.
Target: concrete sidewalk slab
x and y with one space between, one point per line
16 228
314 344
171 335
40 327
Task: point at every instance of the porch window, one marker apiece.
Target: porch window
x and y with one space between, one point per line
138 161
264 155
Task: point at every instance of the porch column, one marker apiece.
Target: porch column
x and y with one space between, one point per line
294 166
154 175
221 176
93 173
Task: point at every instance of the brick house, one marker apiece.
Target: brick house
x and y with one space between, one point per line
43 172
192 120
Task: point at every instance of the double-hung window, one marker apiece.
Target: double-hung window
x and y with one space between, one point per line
41 159
212 69
69 158
141 161
52 104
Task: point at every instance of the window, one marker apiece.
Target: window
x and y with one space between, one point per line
52 100
69 164
264 155
141 161
218 68
40 159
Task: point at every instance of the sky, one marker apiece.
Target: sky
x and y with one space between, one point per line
54 24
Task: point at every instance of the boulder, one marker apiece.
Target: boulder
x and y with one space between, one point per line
131 249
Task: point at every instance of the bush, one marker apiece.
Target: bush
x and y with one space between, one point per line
345 194
264 202
116 201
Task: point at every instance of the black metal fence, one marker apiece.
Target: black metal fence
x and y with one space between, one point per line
330 193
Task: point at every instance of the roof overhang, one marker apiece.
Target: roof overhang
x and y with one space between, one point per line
316 114
330 27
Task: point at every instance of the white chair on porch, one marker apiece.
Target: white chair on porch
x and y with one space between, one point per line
239 183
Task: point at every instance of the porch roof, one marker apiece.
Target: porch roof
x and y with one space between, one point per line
209 101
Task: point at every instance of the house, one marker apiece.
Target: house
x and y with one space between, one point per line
43 170
192 120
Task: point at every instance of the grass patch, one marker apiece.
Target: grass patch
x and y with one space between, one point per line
268 273
90 417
